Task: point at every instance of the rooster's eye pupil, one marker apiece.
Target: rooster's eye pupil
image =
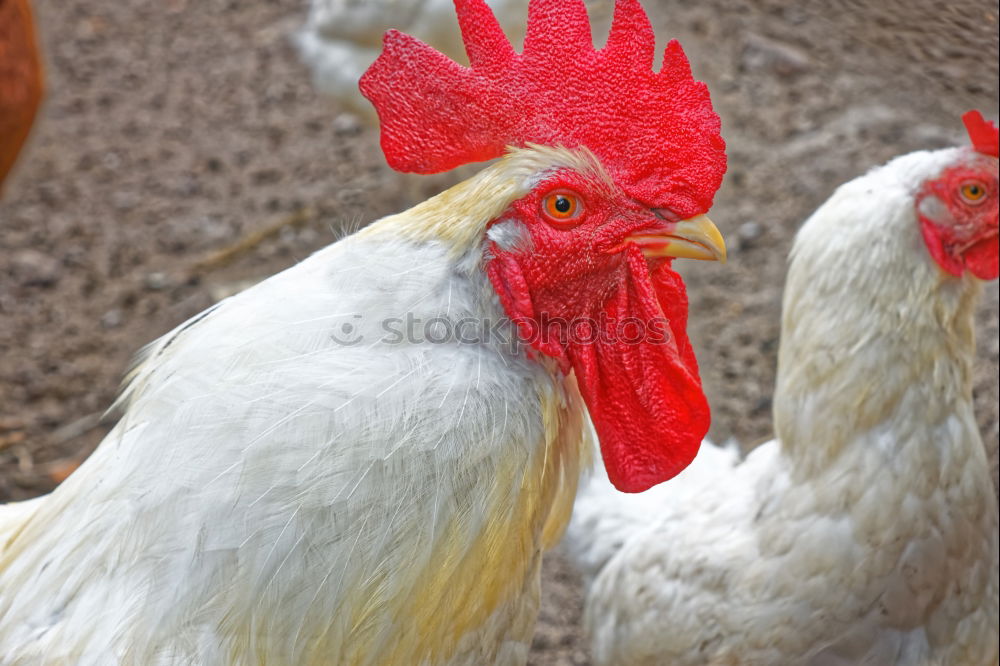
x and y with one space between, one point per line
562 209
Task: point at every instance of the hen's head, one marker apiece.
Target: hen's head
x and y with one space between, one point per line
958 208
609 172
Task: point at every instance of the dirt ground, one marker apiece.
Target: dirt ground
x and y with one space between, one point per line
176 131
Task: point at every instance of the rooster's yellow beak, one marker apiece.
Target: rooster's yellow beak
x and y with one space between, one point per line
693 238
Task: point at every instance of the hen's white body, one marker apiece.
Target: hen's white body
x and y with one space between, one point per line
283 489
341 38
867 532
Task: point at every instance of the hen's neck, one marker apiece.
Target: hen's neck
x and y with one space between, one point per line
877 347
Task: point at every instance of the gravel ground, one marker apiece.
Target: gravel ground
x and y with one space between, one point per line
182 152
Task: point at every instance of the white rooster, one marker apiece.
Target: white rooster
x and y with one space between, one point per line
348 463
866 533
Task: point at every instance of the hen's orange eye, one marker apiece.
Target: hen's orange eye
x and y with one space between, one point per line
562 207
973 192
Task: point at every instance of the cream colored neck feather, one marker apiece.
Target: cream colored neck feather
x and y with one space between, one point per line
459 216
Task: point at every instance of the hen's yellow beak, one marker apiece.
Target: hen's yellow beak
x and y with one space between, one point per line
694 238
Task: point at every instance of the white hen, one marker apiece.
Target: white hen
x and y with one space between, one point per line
866 533
341 38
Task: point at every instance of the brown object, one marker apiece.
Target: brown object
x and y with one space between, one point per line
20 80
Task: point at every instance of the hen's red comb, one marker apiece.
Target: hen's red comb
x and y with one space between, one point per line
655 132
984 135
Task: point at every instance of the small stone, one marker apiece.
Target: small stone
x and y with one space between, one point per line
308 236
749 232
111 160
219 292
32 268
112 318
213 229
157 281
123 200
783 59
346 123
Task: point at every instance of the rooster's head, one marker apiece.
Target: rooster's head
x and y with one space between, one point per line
609 172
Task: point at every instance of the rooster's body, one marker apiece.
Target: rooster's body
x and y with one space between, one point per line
389 479
867 532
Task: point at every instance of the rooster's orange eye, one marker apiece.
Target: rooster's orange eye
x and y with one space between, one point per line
562 208
973 192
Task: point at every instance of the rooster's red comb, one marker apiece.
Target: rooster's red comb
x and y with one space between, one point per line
984 135
655 132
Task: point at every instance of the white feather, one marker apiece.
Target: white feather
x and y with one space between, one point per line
288 467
